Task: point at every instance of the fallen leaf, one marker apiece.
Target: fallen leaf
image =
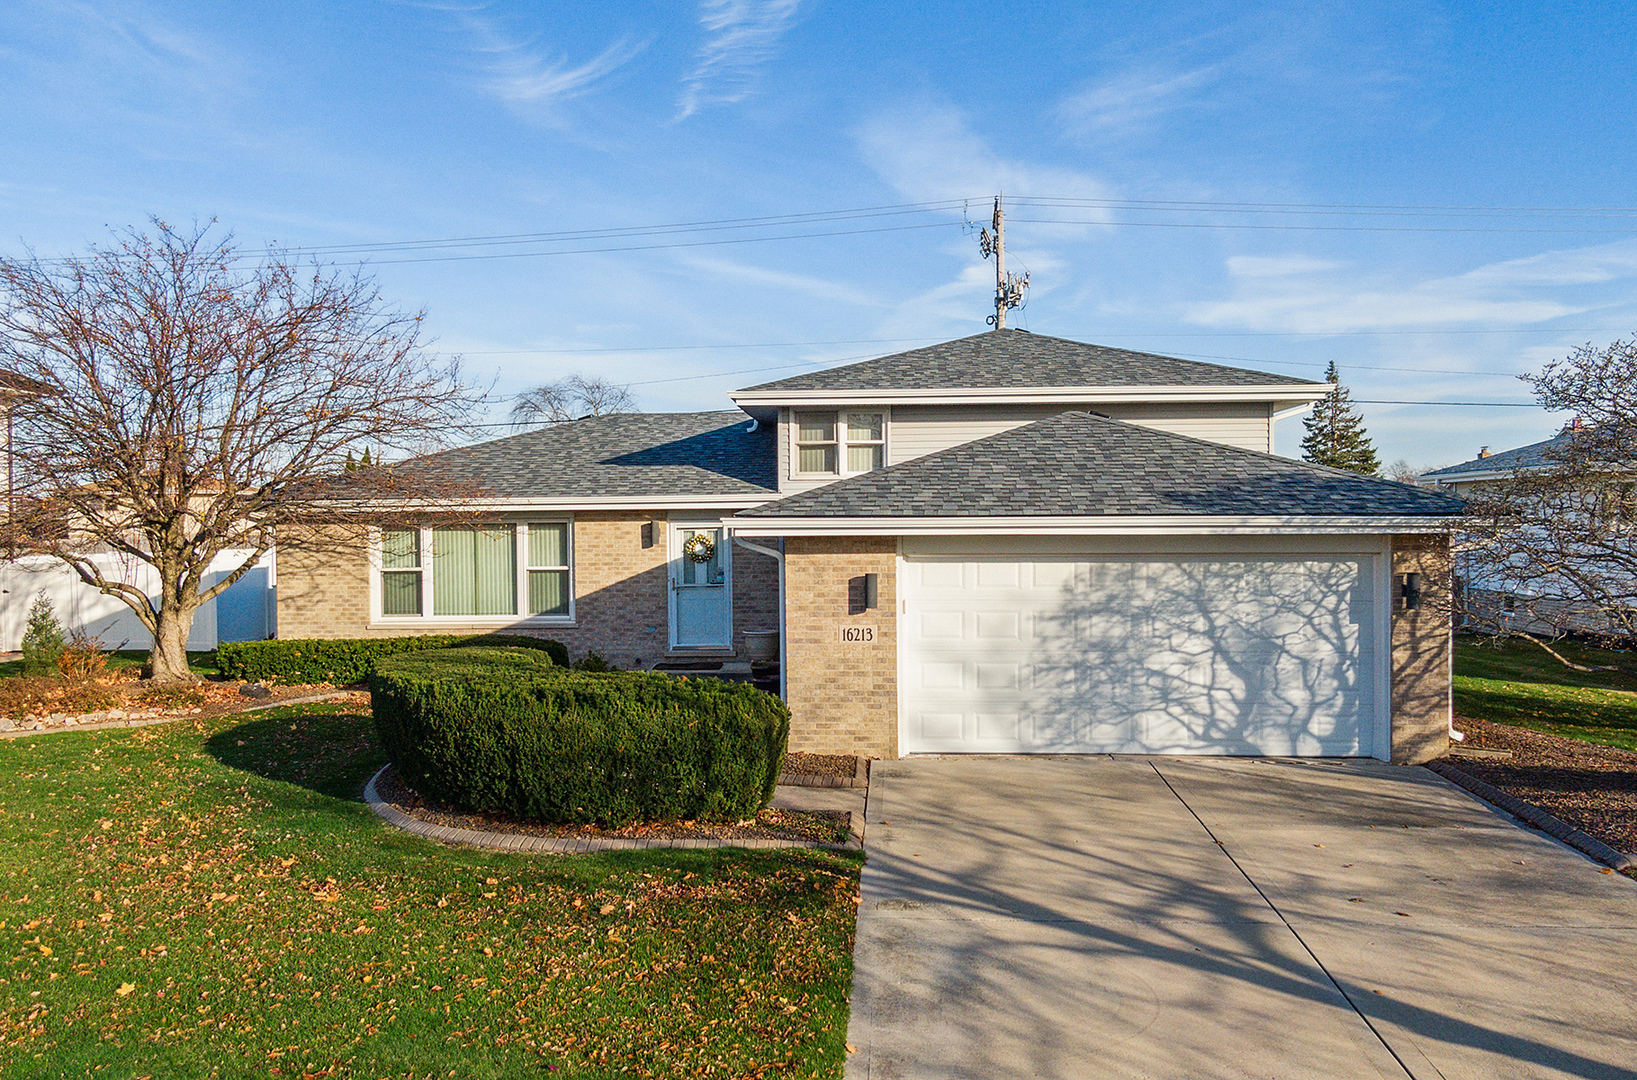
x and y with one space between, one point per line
1605 870
125 989
606 909
851 1049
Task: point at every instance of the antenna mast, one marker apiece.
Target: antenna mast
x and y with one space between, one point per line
1008 287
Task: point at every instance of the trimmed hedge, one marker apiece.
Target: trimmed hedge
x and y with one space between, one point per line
350 660
504 731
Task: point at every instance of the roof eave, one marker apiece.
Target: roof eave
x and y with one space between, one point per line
1296 394
566 503
1141 525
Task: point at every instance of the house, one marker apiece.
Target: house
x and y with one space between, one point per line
1004 543
1471 477
1512 594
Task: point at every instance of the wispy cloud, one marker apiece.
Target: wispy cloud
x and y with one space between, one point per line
927 152
807 285
1300 294
741 37
1133 99
527 77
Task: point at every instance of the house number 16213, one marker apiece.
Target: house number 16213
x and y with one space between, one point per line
857 635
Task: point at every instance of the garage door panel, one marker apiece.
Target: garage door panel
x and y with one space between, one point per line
1218 655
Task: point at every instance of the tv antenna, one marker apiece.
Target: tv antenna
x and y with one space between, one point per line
1008 287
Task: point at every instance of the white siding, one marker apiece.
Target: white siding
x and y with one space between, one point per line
920 430
917 430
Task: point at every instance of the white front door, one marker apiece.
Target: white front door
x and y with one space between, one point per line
701 588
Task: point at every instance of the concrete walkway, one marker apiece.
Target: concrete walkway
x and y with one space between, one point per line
1131 917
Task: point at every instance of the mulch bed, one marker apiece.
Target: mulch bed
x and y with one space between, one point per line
1593 788
822 826
842 765
132 701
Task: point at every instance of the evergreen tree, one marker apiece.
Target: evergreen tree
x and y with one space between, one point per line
43 641
1335 432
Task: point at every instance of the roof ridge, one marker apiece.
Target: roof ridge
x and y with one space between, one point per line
964 363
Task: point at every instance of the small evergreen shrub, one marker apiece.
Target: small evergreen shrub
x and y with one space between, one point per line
44 640
593 661
350 660
505 731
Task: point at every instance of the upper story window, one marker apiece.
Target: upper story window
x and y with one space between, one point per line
497 571
839 443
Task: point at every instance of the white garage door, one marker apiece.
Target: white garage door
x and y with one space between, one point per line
1193 655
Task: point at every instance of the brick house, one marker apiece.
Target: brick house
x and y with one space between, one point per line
1005 543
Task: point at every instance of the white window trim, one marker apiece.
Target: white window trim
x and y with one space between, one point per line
841 441
520 534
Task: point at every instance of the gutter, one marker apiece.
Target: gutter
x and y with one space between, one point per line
768 525
778 557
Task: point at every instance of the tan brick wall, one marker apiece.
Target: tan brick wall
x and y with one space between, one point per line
621 593
843 698
1421 651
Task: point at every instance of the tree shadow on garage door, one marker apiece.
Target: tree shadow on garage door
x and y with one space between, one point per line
1222 655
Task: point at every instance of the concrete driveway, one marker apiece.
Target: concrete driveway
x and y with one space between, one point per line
1136 917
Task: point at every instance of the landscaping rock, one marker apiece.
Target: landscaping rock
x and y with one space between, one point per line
7 724
255 690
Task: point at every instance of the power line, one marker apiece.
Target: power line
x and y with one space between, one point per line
1463 404
1333 209
718 224
1314 228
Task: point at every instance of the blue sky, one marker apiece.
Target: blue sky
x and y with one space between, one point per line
331 124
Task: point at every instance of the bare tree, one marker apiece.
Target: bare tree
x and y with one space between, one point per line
1552 550
194 400
570 399
1402 472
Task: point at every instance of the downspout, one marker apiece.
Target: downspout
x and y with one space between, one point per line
778 557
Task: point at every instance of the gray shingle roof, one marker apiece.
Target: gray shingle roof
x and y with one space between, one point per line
1078 464
1532 456
1014 359
625 454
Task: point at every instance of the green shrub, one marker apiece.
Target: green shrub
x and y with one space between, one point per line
504 731
594 661
349 660
44 640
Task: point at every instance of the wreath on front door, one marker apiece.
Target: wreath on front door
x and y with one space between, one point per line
699 548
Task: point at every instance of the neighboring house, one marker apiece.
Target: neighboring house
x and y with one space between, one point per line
246 611
1005 543
1470 477
1515 597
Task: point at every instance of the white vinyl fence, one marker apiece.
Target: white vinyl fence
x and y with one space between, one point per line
245 612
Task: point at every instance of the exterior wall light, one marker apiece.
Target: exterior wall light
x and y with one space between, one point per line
1411 591
872 591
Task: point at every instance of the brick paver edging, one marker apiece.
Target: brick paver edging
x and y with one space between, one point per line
859 779
564 845
106 725
1547 823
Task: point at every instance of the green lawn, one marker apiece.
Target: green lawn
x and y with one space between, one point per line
1520 683
211 899
203 663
